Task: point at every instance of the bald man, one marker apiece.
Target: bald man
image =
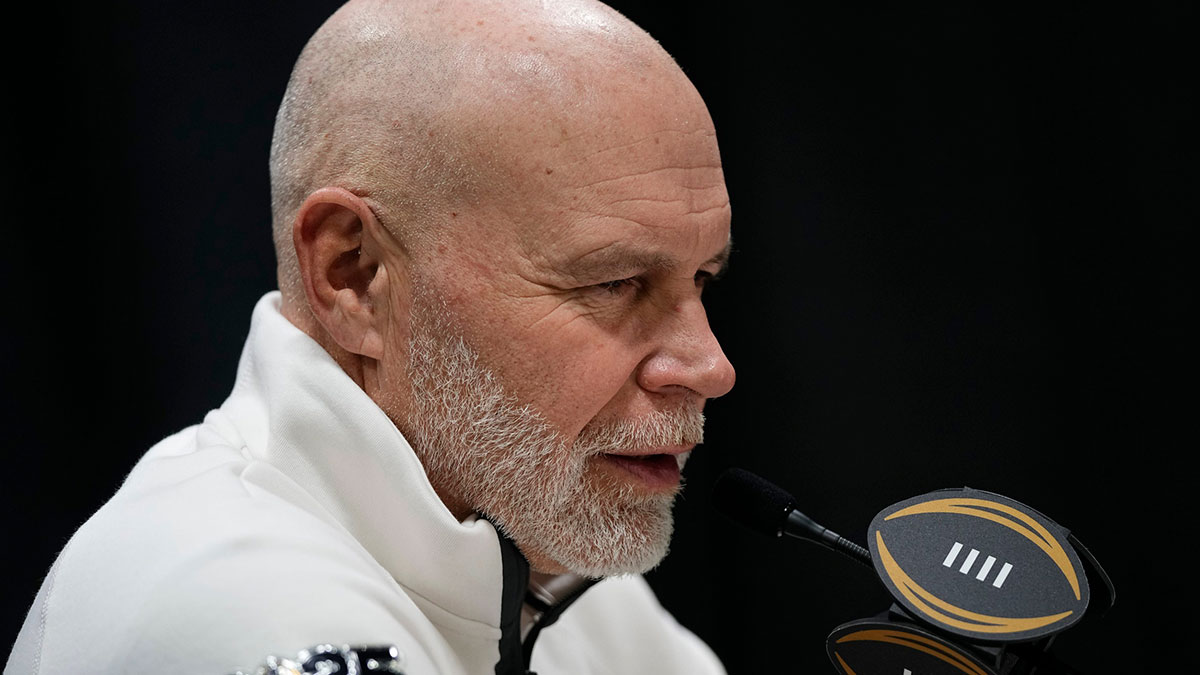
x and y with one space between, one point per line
461 420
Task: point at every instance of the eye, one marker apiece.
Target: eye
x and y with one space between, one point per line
617 286
704 278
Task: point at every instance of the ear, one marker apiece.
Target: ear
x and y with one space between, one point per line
344 280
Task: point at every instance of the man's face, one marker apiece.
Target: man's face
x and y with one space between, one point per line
482 445
560 354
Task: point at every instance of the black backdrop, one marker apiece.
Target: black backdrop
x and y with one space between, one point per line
959 260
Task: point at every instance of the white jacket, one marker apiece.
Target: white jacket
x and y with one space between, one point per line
297 515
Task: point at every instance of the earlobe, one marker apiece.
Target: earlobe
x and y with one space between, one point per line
344 278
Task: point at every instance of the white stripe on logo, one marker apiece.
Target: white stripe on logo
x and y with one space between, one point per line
966 566
1003 575
949 561
987 567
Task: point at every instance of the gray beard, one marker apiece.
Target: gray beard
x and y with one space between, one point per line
481 445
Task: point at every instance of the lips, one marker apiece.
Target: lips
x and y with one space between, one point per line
659 471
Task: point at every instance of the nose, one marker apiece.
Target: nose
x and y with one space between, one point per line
687 357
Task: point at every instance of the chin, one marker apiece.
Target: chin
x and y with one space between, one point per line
612 534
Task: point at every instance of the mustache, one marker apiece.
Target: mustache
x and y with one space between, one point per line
679 426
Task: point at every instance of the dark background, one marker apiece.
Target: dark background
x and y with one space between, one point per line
959 260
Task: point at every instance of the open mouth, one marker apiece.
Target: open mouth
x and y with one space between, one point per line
655 471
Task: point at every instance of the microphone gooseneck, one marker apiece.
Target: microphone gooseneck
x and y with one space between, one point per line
762 506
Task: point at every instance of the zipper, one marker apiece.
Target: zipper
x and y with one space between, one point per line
548 614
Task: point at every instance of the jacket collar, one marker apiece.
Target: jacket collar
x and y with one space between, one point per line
298 411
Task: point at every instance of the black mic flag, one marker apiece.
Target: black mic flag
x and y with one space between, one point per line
982 583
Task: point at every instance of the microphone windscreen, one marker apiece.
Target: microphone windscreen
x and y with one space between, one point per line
752 501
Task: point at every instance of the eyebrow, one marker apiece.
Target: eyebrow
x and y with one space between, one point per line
619 258
722 257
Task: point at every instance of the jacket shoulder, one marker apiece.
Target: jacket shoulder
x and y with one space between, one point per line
190 568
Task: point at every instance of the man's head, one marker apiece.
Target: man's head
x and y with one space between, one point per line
498 217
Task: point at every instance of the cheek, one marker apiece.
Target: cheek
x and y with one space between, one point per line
571 373
546 352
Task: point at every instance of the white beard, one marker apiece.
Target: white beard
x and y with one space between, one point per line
502 458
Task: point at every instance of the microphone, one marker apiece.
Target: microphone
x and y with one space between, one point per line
959 605
762 506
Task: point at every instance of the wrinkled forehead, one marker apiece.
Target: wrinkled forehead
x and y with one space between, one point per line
603 134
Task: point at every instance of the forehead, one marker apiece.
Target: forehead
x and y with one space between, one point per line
635 172
624 198
577 154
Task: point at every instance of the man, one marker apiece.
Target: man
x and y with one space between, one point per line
474 391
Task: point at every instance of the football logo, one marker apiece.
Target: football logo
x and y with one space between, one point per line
872 646
979 565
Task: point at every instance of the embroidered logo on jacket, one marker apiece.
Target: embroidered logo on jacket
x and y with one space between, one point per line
331 660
